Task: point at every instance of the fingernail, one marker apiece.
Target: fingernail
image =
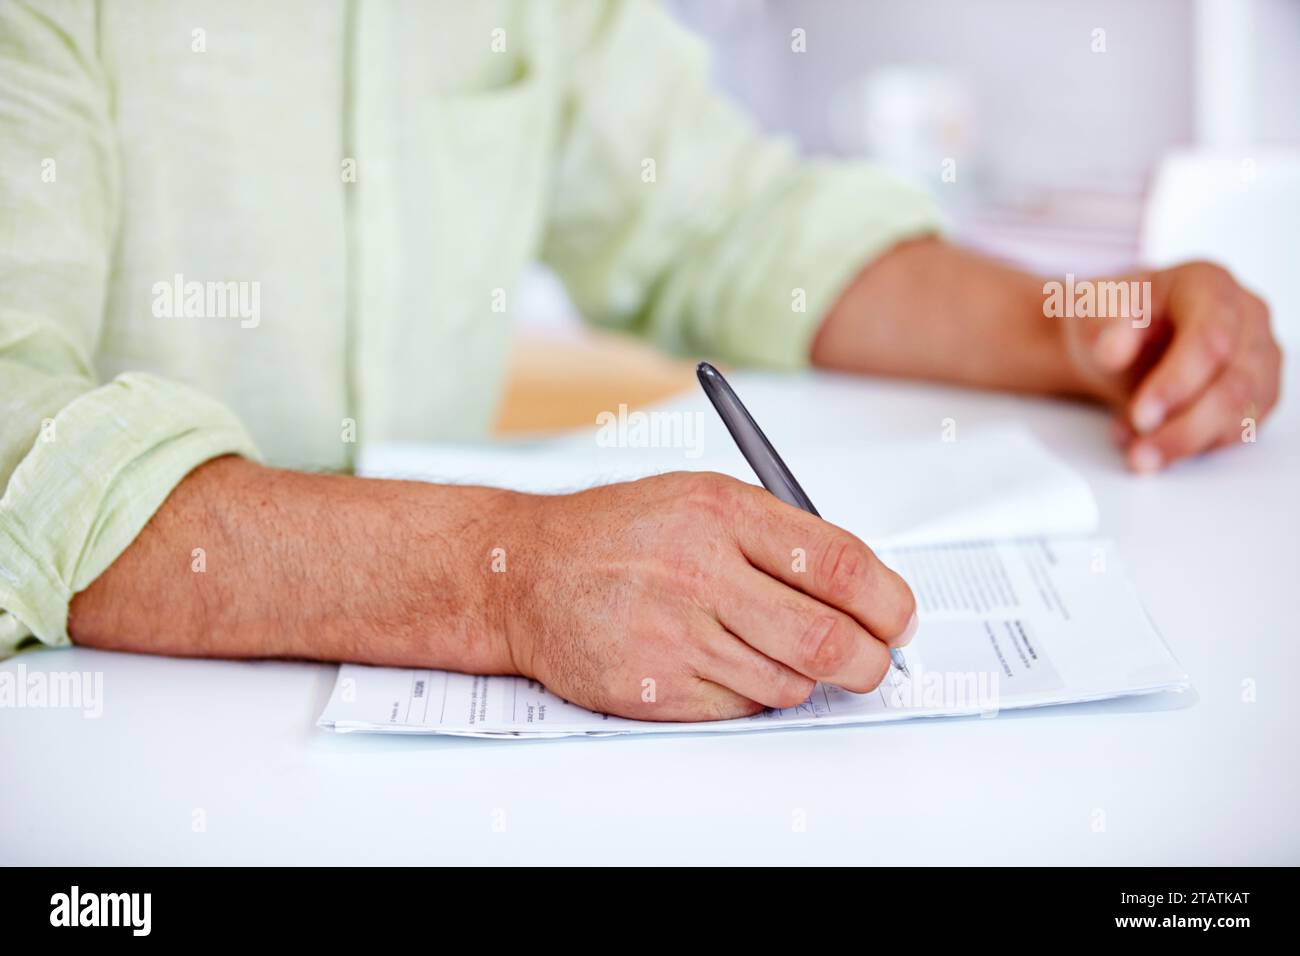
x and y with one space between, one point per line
1120 432
1145 459
909 632
1148 413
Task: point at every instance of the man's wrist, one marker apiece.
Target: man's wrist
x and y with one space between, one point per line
502 549
1044 364
448 575
927 309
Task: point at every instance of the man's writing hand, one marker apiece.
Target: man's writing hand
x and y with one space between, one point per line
697 597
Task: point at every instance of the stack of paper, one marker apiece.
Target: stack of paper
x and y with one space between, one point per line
998 482
1019 606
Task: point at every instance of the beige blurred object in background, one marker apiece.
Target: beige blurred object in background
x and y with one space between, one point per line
559 382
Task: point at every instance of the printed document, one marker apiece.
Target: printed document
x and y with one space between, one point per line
1005 624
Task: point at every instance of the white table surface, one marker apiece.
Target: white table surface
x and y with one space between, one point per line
1209 778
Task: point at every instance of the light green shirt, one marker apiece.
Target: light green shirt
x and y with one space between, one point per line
295 226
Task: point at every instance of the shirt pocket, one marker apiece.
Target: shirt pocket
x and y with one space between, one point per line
490 155
446 246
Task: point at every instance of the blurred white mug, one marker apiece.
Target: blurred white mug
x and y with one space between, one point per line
917 121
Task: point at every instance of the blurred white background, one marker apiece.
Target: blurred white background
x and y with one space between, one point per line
1075 136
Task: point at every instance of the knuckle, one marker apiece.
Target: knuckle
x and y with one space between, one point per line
687 572
1217 338
699 501
824 646
703 490
1210 272
843 568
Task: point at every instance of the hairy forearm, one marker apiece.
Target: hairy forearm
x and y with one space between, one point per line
248 561
927 309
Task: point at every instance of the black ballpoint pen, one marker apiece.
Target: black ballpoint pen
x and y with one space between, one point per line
762 457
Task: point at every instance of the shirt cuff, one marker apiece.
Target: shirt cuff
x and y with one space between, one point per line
92 480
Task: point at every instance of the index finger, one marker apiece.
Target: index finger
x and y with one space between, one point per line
826 563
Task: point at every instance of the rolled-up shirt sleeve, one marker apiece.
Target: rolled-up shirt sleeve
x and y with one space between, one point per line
673 218
84 464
